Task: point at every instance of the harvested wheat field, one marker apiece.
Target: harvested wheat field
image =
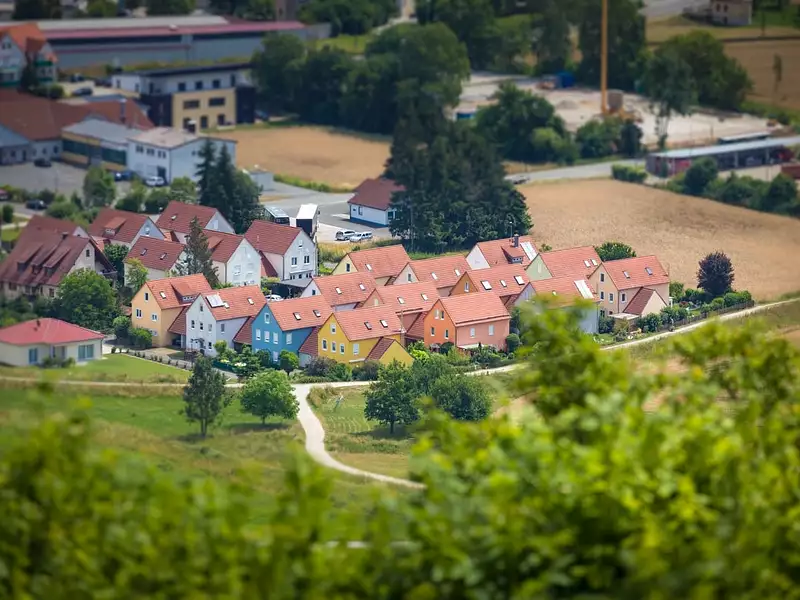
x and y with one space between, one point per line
311 153
680 230
758 59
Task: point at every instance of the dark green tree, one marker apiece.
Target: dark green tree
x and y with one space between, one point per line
630 139
277 69
700 175
614 251
87 299
35 10
392 399
169 7
322 85
183 190
8 213
599 137
351 17
157 200
207 184
715 274
671 87
425 373
781 195
198 256
552 43
473 22
269 394
204 397
288 361
116 254
463 398
134 200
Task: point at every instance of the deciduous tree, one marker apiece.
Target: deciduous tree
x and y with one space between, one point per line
715 275
781 195
197 256
670 86
288 361
169 7
98 188
614 251
116 253
204 397
136 274
392 399
700 175
183 190
277 69
87 299
463 398
269 394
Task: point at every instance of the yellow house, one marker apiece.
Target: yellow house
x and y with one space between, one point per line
95 142
158 303
631 286
353 336
384 263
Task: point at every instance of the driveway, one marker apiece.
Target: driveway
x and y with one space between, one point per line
61 178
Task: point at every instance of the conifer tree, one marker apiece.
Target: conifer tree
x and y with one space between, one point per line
206 173
198 256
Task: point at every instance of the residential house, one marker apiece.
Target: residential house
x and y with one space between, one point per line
161 303
565 291
371 202
383 263
342 292
516 250
287 324
158 256
53 225
572 262
234 258
218 316
40 260
510 283
467 321
31 342
443 272
370 333
22 44
410 301
286 252
112 226
732 12
176 219
633 286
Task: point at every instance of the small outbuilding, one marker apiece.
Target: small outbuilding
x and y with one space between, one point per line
31 342
371 203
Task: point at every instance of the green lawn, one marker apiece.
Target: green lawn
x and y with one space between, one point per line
112 367
352 44
150 427
9 234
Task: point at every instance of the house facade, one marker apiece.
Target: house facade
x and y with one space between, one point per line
234 258
578 263
175 221
443 272
384 263
158 256
341 292
410 301
371 202
353 336
566 291
287 253
112 226
19 44
30 343
516 250
732 12
618 283
468 321
286 325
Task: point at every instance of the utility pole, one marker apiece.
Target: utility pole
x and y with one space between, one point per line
604 59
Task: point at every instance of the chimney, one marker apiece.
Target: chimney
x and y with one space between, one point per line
515 241
38 323
122 111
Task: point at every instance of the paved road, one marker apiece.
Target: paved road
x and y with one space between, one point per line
590 171
61 178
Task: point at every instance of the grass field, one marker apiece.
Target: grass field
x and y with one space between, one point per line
317 154
112 367
149 427
679 229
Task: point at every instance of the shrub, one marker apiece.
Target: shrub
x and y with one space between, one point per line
734 298
512 342
319 366
140 338
339 372
649 323
487 357
288 361
598 138
605 325
694 296
698 177
671 314
630 174
113 349
8 213
367 371
676 290
446 347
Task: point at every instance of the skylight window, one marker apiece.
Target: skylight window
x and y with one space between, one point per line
424 296
173 217
435 276
163 295
250 301
384 324
519 279
587 264
503 283
486 285
297 316
458 273
368 325
594 262
143 252
361 285
400 300
627 275
163 256
649 270
226 305
317 313
369 267
338 290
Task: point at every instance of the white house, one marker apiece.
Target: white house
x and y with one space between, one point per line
170 153
565 291
516 250
219 315
288 253
371 202
234 258
19 40
31 342
176 219
112 226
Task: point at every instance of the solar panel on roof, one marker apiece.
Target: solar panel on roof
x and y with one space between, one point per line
527 247
584 289
214 300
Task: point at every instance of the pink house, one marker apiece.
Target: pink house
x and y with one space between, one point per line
467 320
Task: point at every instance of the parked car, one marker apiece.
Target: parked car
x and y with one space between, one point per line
35 205
42 162
122 175
344 234
76 78
361 236
274 298
103 82
4 195
155 181
83 91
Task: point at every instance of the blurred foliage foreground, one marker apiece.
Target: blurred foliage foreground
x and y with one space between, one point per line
589 497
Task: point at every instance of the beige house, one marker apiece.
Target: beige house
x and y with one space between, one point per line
631 286
732 12
384 263
31 342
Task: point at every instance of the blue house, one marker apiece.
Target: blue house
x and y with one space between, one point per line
286 324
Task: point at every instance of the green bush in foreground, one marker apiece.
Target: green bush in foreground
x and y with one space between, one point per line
630 174
594 497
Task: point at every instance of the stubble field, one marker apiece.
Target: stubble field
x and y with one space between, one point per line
758 58
680 230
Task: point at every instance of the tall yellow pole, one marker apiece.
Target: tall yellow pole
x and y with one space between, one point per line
604 59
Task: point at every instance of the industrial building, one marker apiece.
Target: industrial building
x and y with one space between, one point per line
97 143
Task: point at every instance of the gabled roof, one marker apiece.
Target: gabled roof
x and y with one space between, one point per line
46 331
347 288
309 346
639 302
271 238
173 292
27 36
368 323
39 119
503 251
564 290
299 313
127 113
235 302
177 216
375 193
442 271
640 271
223 245
160 255
571 262
178 326
417 329
53 225
466 309
118 225
505 280
245 334
385 261
379 349
408 298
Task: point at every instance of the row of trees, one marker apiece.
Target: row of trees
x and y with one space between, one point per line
152 201
351 17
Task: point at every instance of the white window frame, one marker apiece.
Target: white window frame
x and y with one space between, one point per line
138 313
288 339
356 349
154 317
258 334
324 344
274 337
471 332
610 297
491 329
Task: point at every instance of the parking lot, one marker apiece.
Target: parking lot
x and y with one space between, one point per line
60 178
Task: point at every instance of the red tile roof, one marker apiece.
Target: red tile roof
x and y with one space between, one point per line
44 258
571 262
171 291
638 303
564 290
27 36
243 301
223 245
309 346
46 331
385 261
177 216
417 329
156 254
375 193
379 349
408 298
503 251
505 280
112 110
474 308
299 313
367 323
348 288
118 225
245 334
630 273
271 238
443 271
50 224
39 119
267 270
178 326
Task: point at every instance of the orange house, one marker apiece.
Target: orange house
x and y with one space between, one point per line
468 321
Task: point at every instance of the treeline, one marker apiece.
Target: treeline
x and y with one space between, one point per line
350 17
